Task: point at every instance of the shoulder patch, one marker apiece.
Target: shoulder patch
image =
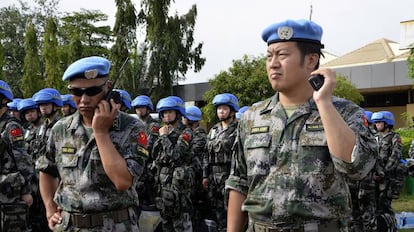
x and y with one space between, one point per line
186 137
155 129
142 139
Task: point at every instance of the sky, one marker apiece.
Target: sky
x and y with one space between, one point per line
230 29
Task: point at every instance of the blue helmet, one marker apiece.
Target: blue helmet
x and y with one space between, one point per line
142 101
27 104
383 116
67 99
241 111
125 97
171 103
5 90
193 113
48 95
226 99
13 104
368 115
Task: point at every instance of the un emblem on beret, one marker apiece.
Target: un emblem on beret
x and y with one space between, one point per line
90 74
285 33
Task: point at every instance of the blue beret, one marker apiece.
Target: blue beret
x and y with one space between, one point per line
88 67
301 30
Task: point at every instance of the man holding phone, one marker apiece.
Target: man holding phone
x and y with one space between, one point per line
294 149
93 158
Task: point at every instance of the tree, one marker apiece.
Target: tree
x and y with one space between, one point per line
51 57
32 70
81 36
125 43
410 63
12 29
170 46
346 89
247 80
1 61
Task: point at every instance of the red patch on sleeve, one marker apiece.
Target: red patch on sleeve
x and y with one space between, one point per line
186 137
142 139
155 129
399 140
365 120
16 132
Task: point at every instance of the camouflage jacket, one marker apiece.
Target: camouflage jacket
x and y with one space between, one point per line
219 147
173 149
38 144
152 128
284 167
74 157
198 148
390 152
16 166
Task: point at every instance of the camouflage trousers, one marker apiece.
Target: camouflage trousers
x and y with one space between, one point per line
181 223
14 217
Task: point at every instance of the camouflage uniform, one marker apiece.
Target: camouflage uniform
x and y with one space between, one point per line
216 167
145 186
198 146
284 167
175 178
390 153
84 188
37 147
15 176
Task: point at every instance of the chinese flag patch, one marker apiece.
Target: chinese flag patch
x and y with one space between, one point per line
142 139
155 129
186 137
15 132
365 120
399 140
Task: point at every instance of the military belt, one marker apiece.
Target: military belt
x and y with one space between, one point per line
96 219
308 226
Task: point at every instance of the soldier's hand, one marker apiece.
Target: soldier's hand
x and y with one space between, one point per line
164 130
104 117
28 199
55 218
205 183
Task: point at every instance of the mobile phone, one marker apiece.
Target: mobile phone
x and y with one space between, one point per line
316 81
113 95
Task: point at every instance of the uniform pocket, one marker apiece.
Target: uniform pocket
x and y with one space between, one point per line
257 151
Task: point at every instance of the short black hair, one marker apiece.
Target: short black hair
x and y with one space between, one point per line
306 48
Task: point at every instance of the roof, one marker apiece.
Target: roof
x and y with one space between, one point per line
379 51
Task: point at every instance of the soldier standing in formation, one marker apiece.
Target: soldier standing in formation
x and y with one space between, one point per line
150 219
295 148
173 162
16 169
93 159
390 154
192 119
217 160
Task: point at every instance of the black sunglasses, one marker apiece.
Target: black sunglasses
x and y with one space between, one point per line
90 91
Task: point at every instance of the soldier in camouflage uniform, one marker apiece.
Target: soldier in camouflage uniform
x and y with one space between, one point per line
294 149
388 184
217 161
50 102
192 119
150 217
363 197
16 169
30 113
13 111
93 158
173 162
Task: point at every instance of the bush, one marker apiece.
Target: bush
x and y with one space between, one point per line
407 135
